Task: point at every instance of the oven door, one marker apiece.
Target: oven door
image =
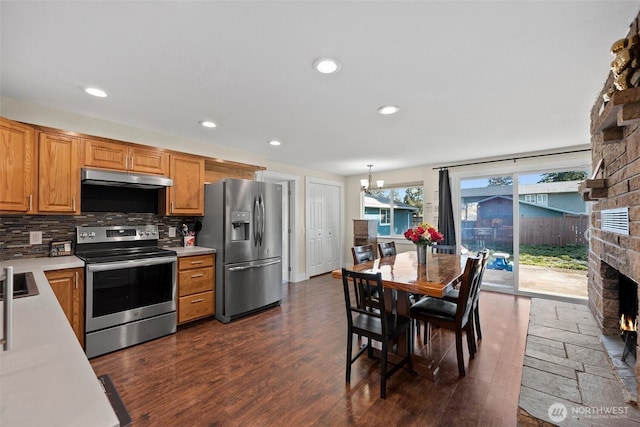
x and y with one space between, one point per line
122 292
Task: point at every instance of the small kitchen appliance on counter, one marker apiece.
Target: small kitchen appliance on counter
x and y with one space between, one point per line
130 286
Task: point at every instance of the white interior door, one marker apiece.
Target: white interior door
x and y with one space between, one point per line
323 227
315 227
331 206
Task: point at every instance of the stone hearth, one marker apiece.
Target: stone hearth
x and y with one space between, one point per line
566 368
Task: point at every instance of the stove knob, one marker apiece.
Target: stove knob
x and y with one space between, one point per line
92 234
147 233
141 233
83 234
153 232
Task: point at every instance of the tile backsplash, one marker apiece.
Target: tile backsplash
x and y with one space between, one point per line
14 230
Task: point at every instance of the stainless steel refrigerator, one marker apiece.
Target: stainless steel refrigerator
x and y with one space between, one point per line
243 222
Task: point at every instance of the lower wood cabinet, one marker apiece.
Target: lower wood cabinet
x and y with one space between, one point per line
196 281
68 286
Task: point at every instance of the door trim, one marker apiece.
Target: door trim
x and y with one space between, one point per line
295 187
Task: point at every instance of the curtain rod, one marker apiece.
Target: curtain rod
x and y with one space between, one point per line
512 158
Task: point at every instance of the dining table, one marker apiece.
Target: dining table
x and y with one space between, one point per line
402 276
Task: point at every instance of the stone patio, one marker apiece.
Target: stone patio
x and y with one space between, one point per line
568 378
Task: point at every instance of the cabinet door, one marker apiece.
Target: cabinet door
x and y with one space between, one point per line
17 167
68 287
103 154
186 197
148 161
58 174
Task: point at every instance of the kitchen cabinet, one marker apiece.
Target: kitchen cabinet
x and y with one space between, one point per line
68 287
17 167
125 157
58 173
186 196
196 282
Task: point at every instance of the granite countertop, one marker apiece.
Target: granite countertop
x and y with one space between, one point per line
46 378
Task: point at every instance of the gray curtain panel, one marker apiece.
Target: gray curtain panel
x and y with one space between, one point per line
445 209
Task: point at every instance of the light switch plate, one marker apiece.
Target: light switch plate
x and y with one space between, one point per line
172 232
35 237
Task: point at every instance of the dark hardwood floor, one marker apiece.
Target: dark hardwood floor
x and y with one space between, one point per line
286 367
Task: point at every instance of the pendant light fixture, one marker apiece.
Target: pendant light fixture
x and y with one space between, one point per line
367 184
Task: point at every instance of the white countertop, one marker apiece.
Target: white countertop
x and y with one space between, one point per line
191 250
46 379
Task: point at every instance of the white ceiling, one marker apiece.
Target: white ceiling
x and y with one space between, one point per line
473 79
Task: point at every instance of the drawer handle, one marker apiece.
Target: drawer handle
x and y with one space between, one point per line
193 276
196 262
197 300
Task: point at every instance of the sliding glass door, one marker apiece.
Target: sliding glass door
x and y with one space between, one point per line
553 220
487 223
543 252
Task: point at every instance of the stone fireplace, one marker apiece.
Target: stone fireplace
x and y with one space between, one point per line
614 191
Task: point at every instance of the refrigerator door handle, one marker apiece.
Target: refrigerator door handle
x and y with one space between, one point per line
249 267
256 221
262 215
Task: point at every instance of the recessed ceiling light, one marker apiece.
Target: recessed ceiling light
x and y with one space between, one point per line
326 65
208 124
388 109
274 142
96 92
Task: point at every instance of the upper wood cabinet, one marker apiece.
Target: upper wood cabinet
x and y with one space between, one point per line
17 167
114 155
58 173
186 197
68 287
216 169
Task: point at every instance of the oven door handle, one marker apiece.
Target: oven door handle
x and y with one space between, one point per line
142 262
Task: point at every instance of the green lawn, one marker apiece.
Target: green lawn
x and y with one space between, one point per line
572 257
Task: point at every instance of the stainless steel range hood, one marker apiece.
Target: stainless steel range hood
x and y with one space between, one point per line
124 179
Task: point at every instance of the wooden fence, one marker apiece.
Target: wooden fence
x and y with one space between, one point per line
557 231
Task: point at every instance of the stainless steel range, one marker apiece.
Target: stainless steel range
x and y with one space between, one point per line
130 286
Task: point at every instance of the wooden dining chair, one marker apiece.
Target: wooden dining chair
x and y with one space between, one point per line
454 316
443 249
367 316
386 249
453 294
362 254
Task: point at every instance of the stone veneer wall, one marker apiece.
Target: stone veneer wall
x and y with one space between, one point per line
14 230
611 253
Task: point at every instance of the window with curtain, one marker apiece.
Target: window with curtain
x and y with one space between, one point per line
394 208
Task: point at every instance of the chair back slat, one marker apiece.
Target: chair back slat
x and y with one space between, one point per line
367 290
386 249
362 254
468 289
443 249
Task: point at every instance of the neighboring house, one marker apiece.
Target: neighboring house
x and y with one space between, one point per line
556 207
378 208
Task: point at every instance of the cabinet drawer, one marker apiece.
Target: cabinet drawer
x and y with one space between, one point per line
197 261
195 306
195 280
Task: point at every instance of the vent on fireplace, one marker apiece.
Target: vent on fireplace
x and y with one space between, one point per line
615 220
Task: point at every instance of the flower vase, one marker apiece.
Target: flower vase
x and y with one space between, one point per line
422 254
